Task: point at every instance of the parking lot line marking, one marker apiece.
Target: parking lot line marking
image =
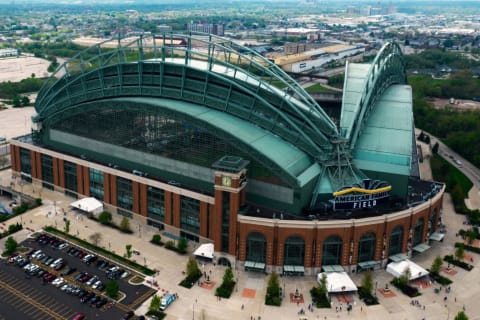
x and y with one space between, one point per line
21 295
141 298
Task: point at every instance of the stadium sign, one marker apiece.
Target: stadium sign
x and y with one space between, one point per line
366 194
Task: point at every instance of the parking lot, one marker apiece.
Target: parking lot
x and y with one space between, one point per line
50 283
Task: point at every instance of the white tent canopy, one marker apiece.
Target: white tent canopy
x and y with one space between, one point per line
205 250
88 205
338 282
398 268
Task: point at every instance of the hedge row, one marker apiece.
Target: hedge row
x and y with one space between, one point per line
405 288
444 281
467 247
104 252
11 230
450 259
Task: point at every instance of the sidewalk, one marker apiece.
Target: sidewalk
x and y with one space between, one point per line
200 303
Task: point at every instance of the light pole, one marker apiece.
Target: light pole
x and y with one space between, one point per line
193 310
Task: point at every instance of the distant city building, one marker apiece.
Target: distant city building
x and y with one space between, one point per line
310 34
9 52
217 29
164 28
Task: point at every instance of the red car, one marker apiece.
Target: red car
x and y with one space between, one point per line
79 316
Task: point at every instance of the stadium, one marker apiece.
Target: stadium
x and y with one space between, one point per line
205 139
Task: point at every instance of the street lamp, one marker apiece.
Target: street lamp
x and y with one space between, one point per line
193 310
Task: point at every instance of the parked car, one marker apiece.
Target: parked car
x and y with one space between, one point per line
58 282
69 271
79 316
128 315
92 280
100 303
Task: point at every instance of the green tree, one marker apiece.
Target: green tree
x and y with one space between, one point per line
25 101
128 250
67 226
367 282
125 225
111 288
272 296
471 236
436 265
105 218
460 253
182 245
193 271
17 103
10 245
461 316
322 285
228 276
404 278
154 304
156 238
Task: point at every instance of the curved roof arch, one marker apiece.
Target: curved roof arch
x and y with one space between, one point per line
282 158
386 69
226 70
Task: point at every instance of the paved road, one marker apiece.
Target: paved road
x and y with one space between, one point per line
472 172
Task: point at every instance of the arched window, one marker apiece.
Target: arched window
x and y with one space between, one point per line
366 247
431 222
418 232
294 251
396 241
332 251
256 247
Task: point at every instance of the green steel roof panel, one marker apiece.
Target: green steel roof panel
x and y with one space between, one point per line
386 140
284 154
309 174
352 92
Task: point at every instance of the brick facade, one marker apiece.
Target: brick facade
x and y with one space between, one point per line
276 232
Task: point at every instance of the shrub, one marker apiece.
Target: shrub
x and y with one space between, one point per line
444 281
405 288
156 239
170 245
467 247
105 218
450 259
367 296
182 245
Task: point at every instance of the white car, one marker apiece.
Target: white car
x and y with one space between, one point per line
63 246
54 263
96 284
36 253
64 287
58 282
92 280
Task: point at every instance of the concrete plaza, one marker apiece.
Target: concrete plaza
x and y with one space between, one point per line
200 303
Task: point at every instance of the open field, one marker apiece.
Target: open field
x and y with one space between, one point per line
16 69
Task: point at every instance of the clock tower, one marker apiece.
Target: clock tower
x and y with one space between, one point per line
230 189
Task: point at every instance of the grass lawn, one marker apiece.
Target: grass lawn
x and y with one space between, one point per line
317 88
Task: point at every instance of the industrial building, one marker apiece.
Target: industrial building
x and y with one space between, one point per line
199 141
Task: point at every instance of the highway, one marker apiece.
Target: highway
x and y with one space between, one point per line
472 172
